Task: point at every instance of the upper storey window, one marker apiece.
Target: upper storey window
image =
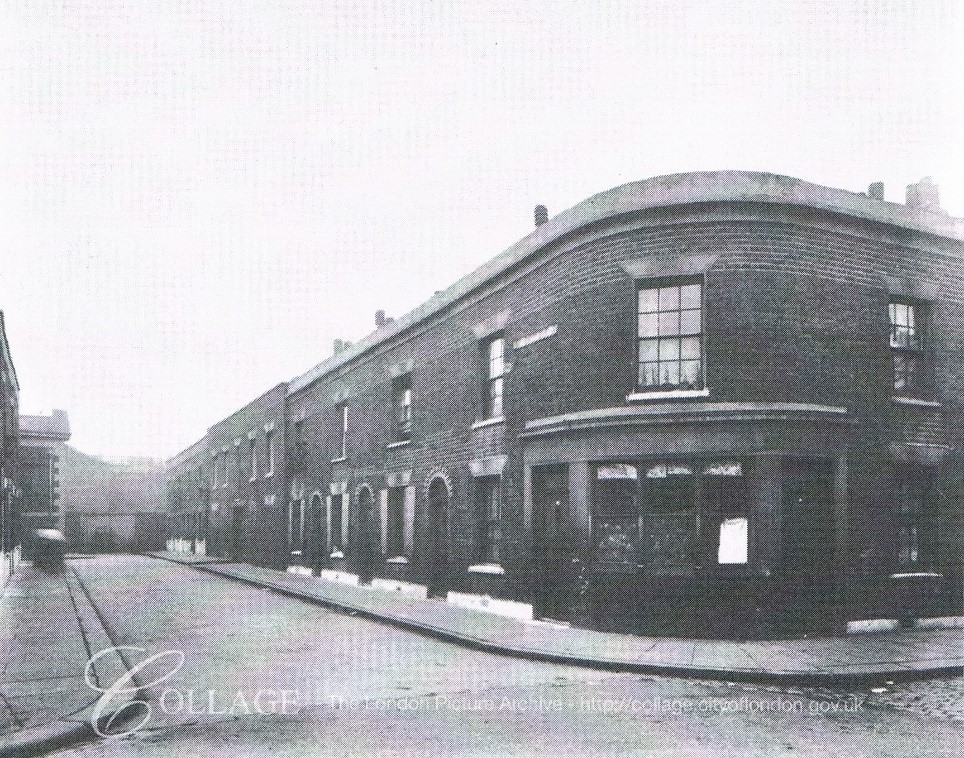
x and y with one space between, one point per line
494 354
908 343
341 431
402 407
671 336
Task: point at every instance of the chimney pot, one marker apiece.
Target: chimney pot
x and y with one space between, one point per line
338 346
876 191
542 215
379 319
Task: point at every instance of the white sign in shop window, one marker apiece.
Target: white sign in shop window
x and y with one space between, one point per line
734 538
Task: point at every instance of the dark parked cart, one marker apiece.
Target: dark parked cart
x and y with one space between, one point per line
50 546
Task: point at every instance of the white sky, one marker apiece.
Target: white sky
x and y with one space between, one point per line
197 196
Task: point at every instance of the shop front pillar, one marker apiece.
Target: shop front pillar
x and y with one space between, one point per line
765 513
579 503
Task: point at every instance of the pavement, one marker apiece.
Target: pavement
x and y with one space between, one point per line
48 633
848 660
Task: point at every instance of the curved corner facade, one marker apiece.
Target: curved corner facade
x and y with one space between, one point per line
719 404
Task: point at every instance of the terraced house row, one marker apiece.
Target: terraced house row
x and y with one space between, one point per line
722 403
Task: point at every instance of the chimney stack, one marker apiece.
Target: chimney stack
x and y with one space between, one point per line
542 215
924 195
379 319
338 346
876 191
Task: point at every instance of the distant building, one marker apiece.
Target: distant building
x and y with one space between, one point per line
224 493
9 444
42 443
112 504
719 404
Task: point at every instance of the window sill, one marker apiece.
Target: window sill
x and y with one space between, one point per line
400 443
488 422
915 575
397 559
667 395
900 400
486 568
337 554
339 460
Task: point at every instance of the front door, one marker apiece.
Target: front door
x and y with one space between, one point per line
807 530
555 544
239 528
437 538
365 536
317 534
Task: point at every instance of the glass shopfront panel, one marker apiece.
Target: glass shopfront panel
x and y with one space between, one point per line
670 515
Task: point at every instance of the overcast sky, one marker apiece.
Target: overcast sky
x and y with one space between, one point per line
197 196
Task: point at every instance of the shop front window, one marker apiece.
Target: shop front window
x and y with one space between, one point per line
616 516
671 515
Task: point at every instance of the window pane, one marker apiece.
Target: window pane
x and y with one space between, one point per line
615 522
669 323
669 373
900 378
496 365
913 338
690 322
669 298
496 352
690 296
669 539
910 373
648 301
690 348
647 350
669 350
898 336
495 398
647 324
690 376
648 374
900 314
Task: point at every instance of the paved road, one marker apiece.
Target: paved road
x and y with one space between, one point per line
355 687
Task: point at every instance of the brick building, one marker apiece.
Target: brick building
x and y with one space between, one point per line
227 494
9 443
715 403
43 440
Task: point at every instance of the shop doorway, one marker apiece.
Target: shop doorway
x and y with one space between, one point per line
808 525
556 544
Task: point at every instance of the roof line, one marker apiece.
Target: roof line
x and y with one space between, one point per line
658 192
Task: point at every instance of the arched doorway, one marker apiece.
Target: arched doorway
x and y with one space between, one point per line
366 538
436 533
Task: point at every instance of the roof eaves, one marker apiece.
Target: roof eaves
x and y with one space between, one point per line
661 191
